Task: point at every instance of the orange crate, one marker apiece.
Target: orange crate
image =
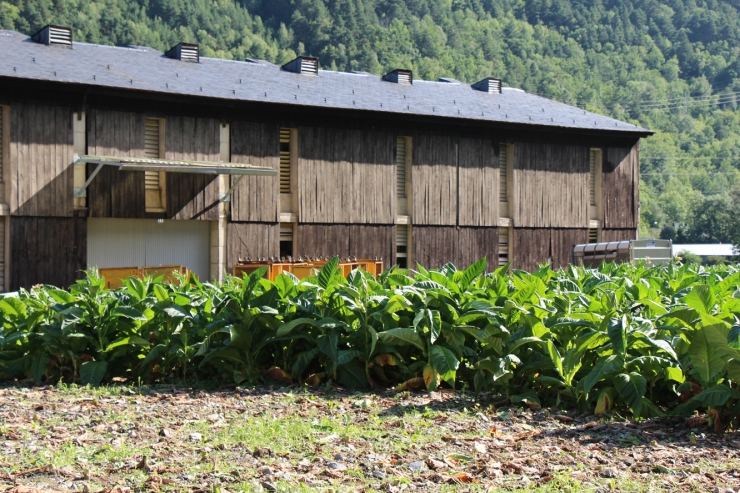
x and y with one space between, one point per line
114 276
167 271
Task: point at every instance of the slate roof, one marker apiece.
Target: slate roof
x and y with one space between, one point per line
146 69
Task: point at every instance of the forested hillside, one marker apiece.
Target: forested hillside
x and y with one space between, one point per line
671 65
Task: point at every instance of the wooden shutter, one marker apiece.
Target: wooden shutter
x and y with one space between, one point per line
503 190
402 245
503 246
592 179
401 167
284 160
153 150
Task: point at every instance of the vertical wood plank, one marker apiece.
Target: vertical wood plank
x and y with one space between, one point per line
435 194
532 247
345 176
256 198
562 242
620 183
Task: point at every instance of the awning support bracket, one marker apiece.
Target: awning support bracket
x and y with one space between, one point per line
82 192
226 197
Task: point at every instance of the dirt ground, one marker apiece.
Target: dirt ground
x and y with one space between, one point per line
165 438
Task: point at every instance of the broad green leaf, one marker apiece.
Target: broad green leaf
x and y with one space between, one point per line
445 363
733 338
327 344
709 354
650 410
675 374
733 370
39 366
286 329
555 357
60 295
608 365
525 340
472 272
228 354
397 303
402 336
717 395
177 311
631 388
700 299
127 341
352 375
128 312
7 308
618 335
328 273
93 372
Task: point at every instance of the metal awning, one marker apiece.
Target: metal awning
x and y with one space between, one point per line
170 166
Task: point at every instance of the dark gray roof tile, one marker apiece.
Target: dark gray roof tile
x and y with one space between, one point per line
142 68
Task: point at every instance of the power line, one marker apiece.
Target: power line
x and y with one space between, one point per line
667 103
709 173
689 158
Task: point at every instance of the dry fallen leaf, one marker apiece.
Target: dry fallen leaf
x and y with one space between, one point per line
435 465
463 477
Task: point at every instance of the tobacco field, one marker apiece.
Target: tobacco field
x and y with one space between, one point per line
621 340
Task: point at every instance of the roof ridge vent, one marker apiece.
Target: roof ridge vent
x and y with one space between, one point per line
449 80
54 35
400 76
489 84
304 65
185 52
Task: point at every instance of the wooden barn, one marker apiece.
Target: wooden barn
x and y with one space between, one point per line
126 156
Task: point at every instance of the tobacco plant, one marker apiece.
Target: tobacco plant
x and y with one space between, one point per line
622 338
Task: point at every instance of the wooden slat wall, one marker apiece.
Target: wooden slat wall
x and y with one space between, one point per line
41 150
434 178
534 246
346 176
562 242
251 240
620 184
256 198
360 240
479 182
551 186
370 241
116 193
476 243
434 246
531 247
189 195
47 250
618 234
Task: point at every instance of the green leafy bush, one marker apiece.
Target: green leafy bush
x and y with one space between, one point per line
637 340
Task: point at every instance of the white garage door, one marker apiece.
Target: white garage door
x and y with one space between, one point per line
148 243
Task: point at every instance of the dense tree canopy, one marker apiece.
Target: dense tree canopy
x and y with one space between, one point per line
671 65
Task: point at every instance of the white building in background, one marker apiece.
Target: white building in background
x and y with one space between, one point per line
706 250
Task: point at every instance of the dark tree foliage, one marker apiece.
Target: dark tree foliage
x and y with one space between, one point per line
669 65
